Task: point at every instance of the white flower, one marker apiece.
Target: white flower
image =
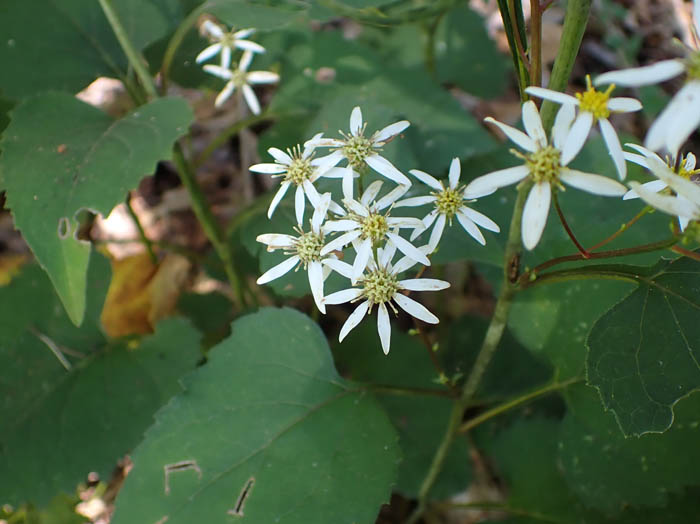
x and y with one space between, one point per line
366 227
225 42
241 78
544 166
359 150
448 203
594 106
685 203
301 169
305 250
380 286
682 115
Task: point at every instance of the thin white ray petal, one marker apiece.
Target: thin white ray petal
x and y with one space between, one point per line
577 137
390 131
427 179
224 95
596 184
455 171
356 207
325 163
243 33
642 76
515 135
689 162
246 59
277 271
533 123
340 225
436 233
338 266
535 214
480 219
668 204
226 57
404 222
320 209
276 199
313 195
387 253
471 228
415 201
212 29
268 169
391 197
424 284
487 184
408 249
562 125
553 96
636 159
340 242
384 328
415 309
430 218
356 121
416 233
207 53
341 297
614 147
643 150
247 45
371 192
680 185
276 240
280 156
382 166
689 120
364 251
316 284
299 205
219 71
353 320
251 99
262 77
654 186
623 104
348 184
683 222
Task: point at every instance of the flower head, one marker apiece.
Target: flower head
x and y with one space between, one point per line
545 167
448 203
380 286
241 78
225 42
594 106
360 150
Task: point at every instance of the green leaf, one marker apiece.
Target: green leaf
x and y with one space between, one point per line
65 45
52 170
246 13
268 431
643 353
58 424
610 472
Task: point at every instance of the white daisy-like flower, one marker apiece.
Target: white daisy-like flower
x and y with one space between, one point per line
360 150
241 78
366 227
225 42
381 286
448 203
681 198
593 106
303 250
298 168
682 115
544 166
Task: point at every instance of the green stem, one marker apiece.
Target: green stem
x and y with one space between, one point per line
412 392
514 403
208 222
575 22
535 43
142 232
520 69
135 59
175 42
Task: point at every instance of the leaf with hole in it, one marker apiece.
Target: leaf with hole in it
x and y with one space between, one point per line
61 156
267 431
644 352
64 45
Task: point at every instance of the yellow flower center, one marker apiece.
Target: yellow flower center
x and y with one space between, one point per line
308 247
595 102
379 286
544 164
692 66
357 148
374 227
449 201
300 168
693 174
239 78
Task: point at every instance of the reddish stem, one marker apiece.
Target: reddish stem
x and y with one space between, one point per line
582 250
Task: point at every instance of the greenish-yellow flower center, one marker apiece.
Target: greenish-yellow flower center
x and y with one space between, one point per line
379 286
692 66
356 149
544 164
593 101
374 227
449 201
308 247
300 168
239 78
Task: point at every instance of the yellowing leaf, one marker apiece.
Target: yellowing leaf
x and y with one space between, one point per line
9 267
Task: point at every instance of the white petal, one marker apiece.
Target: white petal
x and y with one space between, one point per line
251 99
225 94
436 233
689 120
219 71
353 320
636 159
455 170
226 57
642 76
277 271
535 214
338 266
470 227
386 254
643 150
348 183
320 210
247 45
356 207
382 166
404 222
562 125
408 249
487 184
316 285
517 136
299 205
424 284
276 240
325 163
533 123
268 169
683 222
390 131
314 197
654 186
680 185
276 199
211 28
207 53
480 219
341 297
553 96
371 192
280 156
427 179
577 137
356 121
391 197
624 105
614 147
340 242
668 204
596 184
415 309
672 117
430 218
340 225
689 162
246 59
262 77
415 201
243 33
364 251
384 327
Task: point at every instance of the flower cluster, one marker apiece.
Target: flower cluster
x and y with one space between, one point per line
225 43
359 237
